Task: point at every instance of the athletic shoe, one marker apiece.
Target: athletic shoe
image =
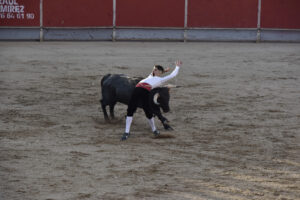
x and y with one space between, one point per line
156 133
125 136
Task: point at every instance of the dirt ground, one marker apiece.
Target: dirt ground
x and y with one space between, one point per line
236 118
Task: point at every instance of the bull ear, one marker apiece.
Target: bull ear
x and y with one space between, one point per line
155 97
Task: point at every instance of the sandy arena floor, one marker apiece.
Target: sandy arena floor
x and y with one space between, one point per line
236 120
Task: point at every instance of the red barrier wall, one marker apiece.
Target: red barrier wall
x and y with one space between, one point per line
222 13
154 13
20 13
77 13
280 14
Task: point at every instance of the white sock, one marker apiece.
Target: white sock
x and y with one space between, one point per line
151 123
128 124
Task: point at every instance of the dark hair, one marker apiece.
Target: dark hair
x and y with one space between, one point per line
160 68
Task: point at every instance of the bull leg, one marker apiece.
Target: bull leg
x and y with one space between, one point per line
111 110
104 110
164 121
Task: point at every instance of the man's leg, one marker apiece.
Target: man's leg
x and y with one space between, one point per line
149 115
132 106
152 124
128 124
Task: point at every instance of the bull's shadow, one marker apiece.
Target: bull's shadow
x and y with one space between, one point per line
165 136
119 88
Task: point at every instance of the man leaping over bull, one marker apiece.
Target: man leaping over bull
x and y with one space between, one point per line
141 94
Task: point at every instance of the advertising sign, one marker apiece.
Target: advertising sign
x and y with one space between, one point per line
19 12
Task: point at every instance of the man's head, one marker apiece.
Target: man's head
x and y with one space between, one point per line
158 70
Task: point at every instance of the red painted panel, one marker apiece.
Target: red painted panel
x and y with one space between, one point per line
280 14
152 13
222 13
19 12
77 13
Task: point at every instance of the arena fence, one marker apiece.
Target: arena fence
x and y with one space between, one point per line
180 20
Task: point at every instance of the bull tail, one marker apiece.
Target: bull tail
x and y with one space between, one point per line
104 78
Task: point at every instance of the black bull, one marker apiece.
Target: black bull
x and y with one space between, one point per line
118 88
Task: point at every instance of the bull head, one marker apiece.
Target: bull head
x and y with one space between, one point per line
160 98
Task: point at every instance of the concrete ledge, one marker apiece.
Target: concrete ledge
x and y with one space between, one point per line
279 35
77 34
221 35
149 34
19 33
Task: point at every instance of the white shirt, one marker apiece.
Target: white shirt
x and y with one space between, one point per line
156 81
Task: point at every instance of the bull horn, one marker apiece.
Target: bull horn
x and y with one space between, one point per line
155 97
171 86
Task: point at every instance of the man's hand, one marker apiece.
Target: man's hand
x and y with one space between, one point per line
178 63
